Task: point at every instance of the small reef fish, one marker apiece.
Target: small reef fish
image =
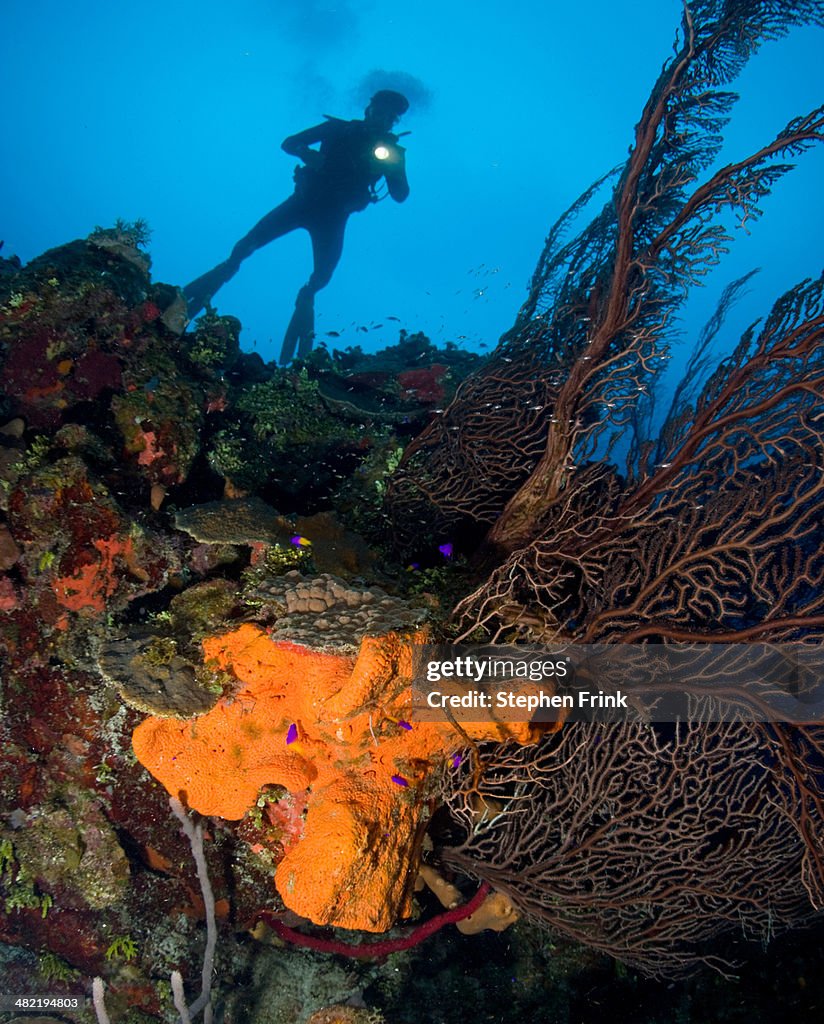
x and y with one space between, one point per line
400 722
446 549
300 542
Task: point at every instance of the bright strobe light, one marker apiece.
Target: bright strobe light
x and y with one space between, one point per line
381 152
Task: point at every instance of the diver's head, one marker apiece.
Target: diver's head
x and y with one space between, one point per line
385 107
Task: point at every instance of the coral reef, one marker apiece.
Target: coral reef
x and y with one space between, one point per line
144 570
112 553
151 675
326 613
243 521
344 1015
708 530
321 704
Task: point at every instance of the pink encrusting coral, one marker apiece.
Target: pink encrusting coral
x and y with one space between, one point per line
93 582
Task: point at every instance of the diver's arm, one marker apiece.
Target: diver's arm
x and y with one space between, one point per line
395 175
300 145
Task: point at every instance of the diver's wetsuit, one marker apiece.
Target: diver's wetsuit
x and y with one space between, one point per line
341 181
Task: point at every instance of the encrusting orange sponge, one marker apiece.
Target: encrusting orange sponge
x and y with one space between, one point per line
333 725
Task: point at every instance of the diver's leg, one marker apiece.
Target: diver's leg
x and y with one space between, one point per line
277 222
301 326
327 246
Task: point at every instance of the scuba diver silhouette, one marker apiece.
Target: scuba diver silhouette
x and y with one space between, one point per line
335 180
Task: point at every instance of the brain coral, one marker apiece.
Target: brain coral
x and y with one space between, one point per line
331 723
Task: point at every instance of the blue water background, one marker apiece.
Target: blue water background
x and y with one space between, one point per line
174 112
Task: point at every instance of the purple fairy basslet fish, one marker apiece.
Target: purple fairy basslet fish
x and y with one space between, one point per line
292 734
404 725
300 542
399 780
456 760
446 549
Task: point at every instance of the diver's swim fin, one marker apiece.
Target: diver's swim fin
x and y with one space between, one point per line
301 329
201 290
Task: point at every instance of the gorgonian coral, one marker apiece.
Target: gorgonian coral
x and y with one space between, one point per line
714 526
640 841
